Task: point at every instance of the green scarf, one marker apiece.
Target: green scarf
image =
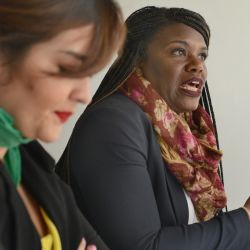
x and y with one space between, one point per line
11 138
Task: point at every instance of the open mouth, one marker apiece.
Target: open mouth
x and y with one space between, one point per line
192 86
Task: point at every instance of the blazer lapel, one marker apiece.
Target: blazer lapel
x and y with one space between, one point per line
178 198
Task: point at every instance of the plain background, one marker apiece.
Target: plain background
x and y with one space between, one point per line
228 77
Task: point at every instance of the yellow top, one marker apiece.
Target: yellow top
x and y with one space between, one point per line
52 240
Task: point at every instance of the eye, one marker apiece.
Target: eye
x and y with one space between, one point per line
179 52
203 56
62 69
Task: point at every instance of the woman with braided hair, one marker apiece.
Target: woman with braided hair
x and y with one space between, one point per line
150 178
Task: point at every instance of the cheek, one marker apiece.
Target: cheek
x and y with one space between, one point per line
155 73
37 107
47 93
166 71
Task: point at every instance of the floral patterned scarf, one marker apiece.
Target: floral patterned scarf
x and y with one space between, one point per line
188 146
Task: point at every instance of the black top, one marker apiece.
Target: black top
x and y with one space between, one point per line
114 164
16 229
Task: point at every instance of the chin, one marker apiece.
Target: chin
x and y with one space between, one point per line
49 135
188 107
191 109
48 139
193 104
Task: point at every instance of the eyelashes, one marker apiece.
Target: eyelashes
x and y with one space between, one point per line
179 52
68 69
204 56
183 52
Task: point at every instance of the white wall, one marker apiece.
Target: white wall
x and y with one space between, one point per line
228 68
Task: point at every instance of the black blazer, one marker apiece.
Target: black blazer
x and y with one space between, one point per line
114 165
16 229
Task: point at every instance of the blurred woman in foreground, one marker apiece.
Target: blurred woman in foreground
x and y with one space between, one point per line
48 51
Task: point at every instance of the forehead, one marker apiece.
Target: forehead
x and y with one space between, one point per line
178 32
77 40
78 37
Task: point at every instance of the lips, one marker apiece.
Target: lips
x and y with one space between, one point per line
63 115
192 87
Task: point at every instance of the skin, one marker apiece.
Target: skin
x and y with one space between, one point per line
82 246
247 207
38 89
2 152
174 55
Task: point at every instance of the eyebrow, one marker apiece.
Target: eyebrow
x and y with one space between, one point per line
185 43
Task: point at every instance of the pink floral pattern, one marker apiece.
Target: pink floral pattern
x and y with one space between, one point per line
188 146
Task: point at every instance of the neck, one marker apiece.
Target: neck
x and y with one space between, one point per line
2 153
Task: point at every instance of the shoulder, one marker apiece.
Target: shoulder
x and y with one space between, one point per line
114 123
39 176
115 118
115 111
117 101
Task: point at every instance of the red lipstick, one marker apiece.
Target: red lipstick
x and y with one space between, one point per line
63 115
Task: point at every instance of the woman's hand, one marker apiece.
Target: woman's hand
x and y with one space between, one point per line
247 206
82 246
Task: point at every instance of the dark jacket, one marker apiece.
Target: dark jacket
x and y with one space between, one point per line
16 229
114 165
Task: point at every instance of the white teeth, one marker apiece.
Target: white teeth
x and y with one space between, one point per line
195 83
191 88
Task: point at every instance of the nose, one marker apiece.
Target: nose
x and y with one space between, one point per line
82 92
195 65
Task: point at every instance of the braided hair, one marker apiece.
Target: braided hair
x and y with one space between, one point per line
142 25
